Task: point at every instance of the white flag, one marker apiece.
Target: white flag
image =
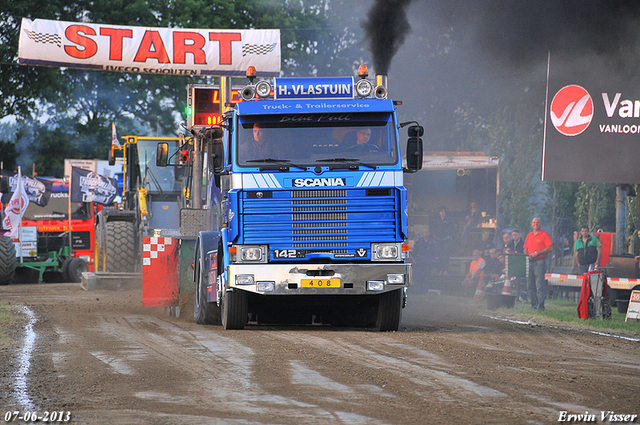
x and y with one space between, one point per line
114 135
15 208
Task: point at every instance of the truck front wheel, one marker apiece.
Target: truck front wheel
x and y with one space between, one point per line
234 309
8 260
389 310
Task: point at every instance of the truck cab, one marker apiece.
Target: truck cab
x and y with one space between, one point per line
308 178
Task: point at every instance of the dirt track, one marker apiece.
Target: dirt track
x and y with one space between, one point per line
105 359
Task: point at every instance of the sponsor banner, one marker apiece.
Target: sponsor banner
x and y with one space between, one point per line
592 131
168 51
38 190
87 186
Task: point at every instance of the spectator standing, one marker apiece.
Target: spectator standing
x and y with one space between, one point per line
537 246
588 250
424 256
443 231
516 246
472 219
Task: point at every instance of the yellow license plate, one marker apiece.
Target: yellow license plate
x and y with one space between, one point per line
320 283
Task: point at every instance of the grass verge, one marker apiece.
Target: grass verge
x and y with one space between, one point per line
563 312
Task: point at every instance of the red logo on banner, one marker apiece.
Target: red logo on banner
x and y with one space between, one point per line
571 110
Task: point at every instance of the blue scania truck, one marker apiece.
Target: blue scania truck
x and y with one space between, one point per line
304 182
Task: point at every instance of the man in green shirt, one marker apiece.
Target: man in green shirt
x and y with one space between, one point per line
588 250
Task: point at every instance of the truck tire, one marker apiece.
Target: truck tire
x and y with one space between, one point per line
120 246
234 309
8 260
204 313
75 268
389 311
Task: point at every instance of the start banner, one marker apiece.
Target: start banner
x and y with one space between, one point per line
171 51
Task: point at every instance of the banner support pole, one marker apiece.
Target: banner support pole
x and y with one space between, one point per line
70 186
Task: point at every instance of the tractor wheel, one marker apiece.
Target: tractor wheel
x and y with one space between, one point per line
8 260
389 311
120 247
76 267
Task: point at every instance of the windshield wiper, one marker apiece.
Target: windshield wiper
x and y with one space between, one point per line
285 164
354 162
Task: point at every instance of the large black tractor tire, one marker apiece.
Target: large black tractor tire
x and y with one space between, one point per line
8 260
234 309
204 313
389 311
120 246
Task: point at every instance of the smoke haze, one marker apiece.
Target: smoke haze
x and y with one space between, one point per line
385 30
446 56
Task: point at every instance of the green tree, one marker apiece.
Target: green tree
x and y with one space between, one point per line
595 206
82 104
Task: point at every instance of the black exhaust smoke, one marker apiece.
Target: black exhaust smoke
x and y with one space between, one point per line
385 29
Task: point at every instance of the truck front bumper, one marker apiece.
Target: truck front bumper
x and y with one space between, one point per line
326 279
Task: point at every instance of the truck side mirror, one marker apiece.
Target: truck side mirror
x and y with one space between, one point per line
213 136
216 156
162 154
414 148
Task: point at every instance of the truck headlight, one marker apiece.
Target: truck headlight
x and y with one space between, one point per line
395 279
245 279
386 252
364 88
375 285
263 89
251 253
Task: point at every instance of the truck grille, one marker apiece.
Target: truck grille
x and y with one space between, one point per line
335 221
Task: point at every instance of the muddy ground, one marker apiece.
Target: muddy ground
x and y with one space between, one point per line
105 359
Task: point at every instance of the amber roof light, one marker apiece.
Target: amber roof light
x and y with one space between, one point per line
363 71
251 73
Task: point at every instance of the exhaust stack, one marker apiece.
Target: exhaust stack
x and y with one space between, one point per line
381 86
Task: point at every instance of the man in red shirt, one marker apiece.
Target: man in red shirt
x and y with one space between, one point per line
537 245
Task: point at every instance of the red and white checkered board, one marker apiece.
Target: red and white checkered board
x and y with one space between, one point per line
151 249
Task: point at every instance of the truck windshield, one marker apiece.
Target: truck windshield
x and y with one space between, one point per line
154 178
316 139
58 209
